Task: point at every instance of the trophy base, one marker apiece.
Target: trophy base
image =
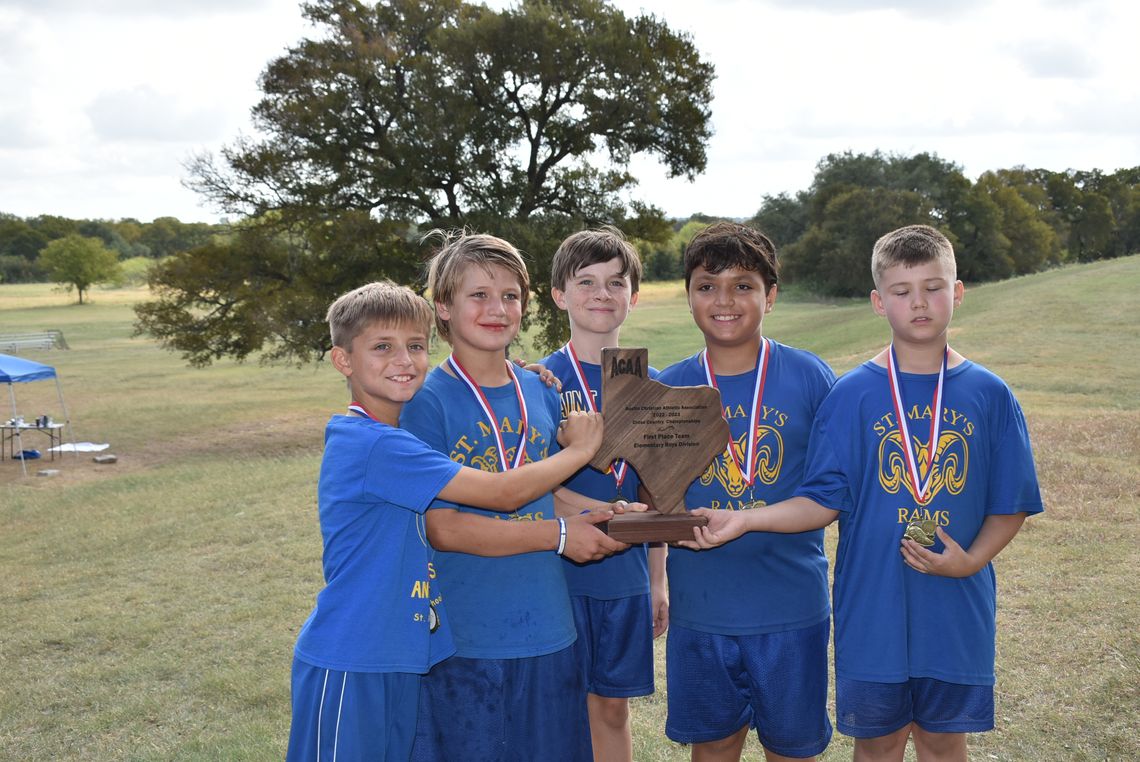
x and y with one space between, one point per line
651 526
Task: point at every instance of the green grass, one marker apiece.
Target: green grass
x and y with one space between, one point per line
151 605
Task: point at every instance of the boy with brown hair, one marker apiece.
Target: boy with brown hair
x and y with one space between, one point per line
922 454
379 622
514 689
620 603
750 622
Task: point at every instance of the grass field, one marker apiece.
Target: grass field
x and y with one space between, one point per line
150 606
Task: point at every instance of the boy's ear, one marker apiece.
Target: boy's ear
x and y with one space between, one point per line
443 311
633 298
559 297
959 292
770 297
877 303
342 361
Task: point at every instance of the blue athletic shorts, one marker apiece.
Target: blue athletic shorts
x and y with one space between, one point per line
776 683
504 710
615 644
351 716
869 710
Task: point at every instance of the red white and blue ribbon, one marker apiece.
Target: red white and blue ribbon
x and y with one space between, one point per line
748 469
485 404
359 409
619 467
921 487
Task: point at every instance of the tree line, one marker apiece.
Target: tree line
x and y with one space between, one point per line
23 240
1009 222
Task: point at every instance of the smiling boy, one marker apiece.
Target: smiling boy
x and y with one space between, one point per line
380 623
514 689
749 622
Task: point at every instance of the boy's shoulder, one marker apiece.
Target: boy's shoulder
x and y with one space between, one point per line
350 436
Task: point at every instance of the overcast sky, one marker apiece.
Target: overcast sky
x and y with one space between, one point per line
103 101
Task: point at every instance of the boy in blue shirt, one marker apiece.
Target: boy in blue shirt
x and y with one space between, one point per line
379 622
749 623
514 689
922 453
620 603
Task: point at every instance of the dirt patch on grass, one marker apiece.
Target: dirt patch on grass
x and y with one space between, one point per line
241 440
1088 465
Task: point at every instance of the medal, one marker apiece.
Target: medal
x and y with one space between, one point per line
619 467
748 467
485 404
921 486
433 619
921 532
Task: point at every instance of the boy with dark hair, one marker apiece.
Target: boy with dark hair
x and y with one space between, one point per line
620 603
379 624
922 453
514 689
749 623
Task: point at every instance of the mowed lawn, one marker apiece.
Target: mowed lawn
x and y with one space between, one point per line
150 606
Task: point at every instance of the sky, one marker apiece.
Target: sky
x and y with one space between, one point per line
103 102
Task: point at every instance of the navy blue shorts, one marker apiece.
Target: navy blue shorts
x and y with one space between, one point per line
775 683
504 710
351 716
869 710
615 644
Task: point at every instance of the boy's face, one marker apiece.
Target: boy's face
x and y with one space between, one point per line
729 306
387 365
597 298
918 301
486 311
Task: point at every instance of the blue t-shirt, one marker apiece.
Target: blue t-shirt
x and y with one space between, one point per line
511 606
891 622
373 614
760 582
623 574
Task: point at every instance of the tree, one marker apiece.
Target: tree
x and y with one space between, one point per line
79 262
834 257
440 113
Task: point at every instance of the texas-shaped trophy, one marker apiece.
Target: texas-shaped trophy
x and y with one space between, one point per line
668 435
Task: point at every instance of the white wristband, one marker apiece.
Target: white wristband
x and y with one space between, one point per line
561 535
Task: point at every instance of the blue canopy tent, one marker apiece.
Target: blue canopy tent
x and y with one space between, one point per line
17 370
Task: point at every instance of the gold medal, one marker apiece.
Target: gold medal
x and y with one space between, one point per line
921 532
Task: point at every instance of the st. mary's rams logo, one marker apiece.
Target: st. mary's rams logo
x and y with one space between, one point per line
950 462
769 458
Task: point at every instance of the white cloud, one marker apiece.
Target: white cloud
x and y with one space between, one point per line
142 113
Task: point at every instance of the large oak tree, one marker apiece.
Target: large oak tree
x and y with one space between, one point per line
402 116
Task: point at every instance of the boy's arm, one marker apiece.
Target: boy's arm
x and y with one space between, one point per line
796 514
658 589
456 531
996 532
581 435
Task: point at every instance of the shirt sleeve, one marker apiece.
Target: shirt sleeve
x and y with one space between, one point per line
1013 473
825 477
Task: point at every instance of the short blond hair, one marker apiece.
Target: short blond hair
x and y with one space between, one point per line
912 245
378 302
461 250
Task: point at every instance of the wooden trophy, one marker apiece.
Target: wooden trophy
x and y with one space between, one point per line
669 435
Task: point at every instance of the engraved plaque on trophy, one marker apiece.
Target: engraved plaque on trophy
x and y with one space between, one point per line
668 435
